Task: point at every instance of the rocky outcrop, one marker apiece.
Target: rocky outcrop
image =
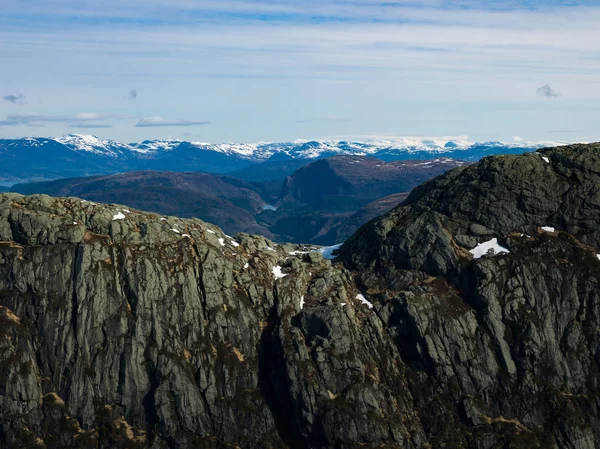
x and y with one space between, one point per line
131 330
510 340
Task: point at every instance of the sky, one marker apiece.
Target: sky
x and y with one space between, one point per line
278 70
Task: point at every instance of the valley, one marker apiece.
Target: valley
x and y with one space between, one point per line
323 202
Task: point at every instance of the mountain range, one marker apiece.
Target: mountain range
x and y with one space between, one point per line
323 202
35 158
467 317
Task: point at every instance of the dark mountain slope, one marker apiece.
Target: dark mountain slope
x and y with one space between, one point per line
272 170
228 202
349 225
356 180
122 330
319 201
268 177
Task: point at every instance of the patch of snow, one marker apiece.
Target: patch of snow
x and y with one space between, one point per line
301 302
363 300
297 253
277 272
211 231
176 231
186 235
246 266
269 207
118 216
127 211
163 219
482 249
269 248
548 228
328 251
234 243
546 159
221 242
343 304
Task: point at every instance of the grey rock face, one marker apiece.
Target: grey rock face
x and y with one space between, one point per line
125 329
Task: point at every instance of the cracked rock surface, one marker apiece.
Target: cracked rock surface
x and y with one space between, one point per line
125 329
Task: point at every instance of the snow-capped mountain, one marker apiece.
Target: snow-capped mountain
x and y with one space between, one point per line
35 158
92 144
153 146
303 149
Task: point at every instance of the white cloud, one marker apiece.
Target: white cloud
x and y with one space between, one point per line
79 120
159 121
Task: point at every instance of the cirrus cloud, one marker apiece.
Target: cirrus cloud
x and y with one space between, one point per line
156 121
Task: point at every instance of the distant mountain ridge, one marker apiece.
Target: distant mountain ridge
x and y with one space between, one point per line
323 202
38 158
307 149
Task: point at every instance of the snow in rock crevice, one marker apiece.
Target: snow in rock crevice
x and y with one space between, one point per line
548 229
277 272
118 216
363 300
491 245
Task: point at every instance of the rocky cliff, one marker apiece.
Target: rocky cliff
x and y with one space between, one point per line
467 317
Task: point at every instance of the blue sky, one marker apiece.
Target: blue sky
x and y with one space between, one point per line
244 71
